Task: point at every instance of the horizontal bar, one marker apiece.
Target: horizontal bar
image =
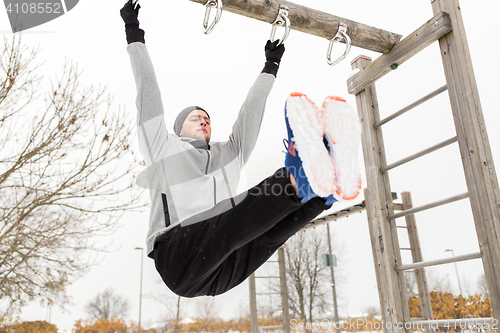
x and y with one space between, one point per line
313 22
264 310
415 42
419 154
412 106
357 208
438 262
267 277
456 323
405 248
428 206
335 216
397 206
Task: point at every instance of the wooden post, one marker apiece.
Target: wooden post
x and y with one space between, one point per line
334 287
378 198
416 254
254 323
480 174
284 290
313 22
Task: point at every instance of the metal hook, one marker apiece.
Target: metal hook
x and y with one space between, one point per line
281 19
209 5
341 34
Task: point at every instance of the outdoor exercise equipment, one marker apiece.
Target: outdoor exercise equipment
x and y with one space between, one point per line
483 192
209 5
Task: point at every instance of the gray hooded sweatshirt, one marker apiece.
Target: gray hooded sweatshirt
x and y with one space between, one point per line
188 180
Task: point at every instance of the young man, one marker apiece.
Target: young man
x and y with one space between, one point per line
204 238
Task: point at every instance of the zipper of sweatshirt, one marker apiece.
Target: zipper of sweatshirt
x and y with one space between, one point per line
206 173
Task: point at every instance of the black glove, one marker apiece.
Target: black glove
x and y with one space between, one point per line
129 14
273 57
274 52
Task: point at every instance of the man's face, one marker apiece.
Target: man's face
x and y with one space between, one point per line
197 126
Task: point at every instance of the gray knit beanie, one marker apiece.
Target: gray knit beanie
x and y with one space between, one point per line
179 121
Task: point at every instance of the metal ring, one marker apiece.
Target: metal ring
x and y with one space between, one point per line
209 5
281 19
341 34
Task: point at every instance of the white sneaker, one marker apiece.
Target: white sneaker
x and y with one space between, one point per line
305 122
343 134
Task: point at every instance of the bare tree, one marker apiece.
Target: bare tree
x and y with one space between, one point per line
108 305
66 175
308 280
482 286
174 306
372 310
206 308
436 281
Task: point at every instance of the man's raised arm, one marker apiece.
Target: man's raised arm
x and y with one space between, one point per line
247 126
150 117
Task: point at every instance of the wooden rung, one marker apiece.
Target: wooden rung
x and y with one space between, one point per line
267 293
267 277
264 310
335 216
412 106
419 154
313 22
357 208
428 206
397 206
438 262
415 42
406 248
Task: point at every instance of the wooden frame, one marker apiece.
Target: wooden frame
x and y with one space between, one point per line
480 174
313 22
482 183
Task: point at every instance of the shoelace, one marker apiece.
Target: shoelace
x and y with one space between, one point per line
287 145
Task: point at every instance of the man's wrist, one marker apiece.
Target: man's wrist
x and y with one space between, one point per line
271 67
134 33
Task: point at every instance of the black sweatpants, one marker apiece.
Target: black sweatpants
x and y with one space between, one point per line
215 255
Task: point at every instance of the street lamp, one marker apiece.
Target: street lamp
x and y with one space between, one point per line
140 294
456 270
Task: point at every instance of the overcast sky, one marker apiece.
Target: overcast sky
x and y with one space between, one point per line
216 72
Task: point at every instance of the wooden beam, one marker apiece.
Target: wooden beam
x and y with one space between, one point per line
313 22
475 150
358 208
283 290
379 205
254 324
416 254
415 42
345 212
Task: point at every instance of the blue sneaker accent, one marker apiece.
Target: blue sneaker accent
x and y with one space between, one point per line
293 164
330 200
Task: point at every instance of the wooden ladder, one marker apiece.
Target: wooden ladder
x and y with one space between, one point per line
482 184
254 328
